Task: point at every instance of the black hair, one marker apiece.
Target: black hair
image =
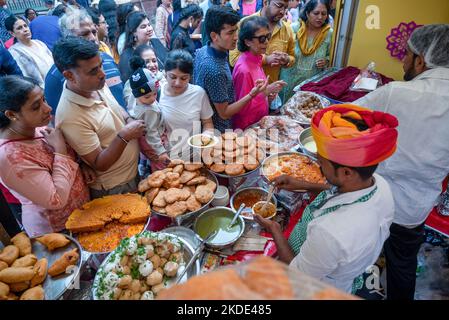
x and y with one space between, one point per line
59 11
94 13
108 9
11 20
67 52
15 90
141 48
248 29
133 21
28 10
191 10
310 6
123 11
217 17
364 172
158 3
179 59
135 63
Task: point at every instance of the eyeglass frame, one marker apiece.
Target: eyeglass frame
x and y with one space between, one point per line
266 36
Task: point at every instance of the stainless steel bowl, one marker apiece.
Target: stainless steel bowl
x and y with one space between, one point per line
248 209
304 137
231 214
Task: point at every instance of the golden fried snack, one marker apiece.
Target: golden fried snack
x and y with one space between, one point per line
4 291
22 242
166 170
40 272
19 286
206 156
159 209
173 163
229 136
159 201
186 176
178 169
176 209
197 180
193 166
234 169
27 261
251 150
193 204
203 194
190 189
69 258
9 254
36 293
218 167
171 180
14 275
151 194
155 182
143 185
211 185
172 195
53 241
3 265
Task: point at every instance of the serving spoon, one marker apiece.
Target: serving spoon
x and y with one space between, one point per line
239 211
270 195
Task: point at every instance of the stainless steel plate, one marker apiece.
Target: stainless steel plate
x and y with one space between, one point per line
54 287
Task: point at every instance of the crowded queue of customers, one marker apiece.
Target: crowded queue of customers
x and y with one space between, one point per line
76 125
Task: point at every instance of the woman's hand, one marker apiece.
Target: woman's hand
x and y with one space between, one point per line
55 139
321 63
89 174
260 86
275 87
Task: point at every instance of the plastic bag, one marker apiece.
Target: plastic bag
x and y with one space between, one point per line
368 80
303 105
258 279
275 133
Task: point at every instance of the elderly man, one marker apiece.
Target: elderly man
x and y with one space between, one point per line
281 46
78 23
93 124
416 171
341 233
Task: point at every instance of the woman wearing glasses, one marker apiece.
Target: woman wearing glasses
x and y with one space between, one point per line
312 49
248 72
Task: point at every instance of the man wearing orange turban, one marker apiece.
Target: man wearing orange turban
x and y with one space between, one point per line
341 233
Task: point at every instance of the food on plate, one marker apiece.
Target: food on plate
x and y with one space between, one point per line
193 166
148 275
294 165
186 176
9 254
178 169
151 194
22 242
174 162
265 211
26 261
176 209
3 265
193 204
109 237
159 200
203 194
36 293
53 241
171 180
19 286
143 185
197 180
4 291
69 258
40 272
16 274
173 194
109 219
211 185
303 105
232 155
201 140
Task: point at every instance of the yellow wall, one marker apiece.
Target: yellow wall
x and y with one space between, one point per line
370 45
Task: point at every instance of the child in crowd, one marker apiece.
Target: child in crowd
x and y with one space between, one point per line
145 86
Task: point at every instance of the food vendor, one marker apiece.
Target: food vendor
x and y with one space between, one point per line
342 231
416 171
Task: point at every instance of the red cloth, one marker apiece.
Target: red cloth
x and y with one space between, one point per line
437 221
9 43
8 196
337 85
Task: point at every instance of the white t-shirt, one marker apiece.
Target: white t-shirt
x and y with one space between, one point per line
182 116
342 244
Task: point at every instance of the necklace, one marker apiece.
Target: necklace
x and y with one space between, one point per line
18 133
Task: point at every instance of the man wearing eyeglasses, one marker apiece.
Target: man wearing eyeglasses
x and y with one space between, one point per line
281 46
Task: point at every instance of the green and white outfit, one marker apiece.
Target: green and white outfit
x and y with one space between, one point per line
340 235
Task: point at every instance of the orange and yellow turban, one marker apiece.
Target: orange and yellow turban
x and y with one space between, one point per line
340 141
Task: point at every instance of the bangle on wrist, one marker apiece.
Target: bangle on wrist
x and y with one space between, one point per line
121 138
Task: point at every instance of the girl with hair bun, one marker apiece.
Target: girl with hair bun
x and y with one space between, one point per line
190 18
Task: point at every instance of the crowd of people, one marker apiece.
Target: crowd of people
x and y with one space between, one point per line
101 91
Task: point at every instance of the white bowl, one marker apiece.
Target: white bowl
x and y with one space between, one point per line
198 136
221 198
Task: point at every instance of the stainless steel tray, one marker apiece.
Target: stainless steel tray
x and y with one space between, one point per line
55 287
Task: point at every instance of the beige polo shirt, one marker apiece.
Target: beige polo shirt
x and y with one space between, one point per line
88 124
